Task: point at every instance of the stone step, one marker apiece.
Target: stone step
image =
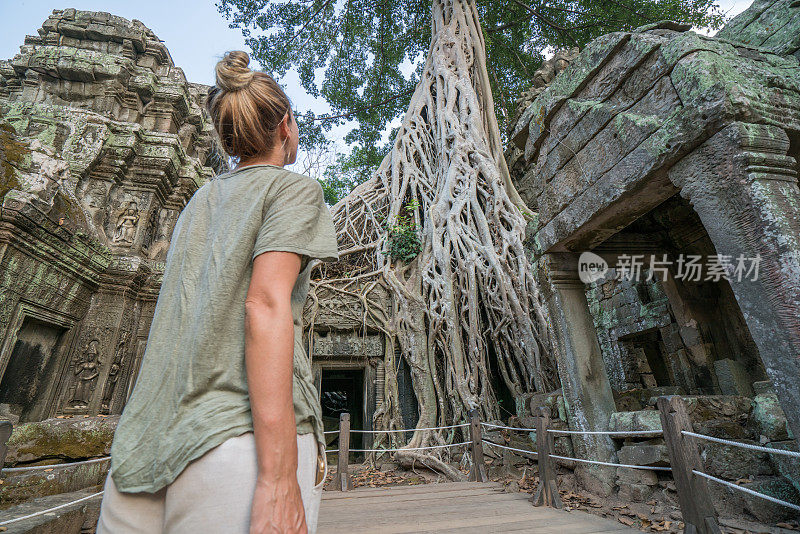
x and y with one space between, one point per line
65 439
20 485
643 454
72 519
637 421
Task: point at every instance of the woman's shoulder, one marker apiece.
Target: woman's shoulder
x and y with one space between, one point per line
294 183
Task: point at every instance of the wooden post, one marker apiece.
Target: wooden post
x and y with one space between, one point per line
478 471
342 480
547 493
5 433
699 515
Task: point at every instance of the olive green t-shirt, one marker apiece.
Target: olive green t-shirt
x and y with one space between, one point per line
191 392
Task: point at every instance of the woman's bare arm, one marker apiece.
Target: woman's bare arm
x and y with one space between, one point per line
269 348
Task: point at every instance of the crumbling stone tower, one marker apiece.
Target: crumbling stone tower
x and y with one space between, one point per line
103 143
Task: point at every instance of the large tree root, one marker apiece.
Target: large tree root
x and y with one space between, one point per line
470 295
409 459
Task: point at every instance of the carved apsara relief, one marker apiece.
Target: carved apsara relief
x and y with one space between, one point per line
126 225
86 371
114 373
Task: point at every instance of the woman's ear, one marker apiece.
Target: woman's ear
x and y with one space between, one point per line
285 127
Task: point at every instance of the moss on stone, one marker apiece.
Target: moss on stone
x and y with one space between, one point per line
13 153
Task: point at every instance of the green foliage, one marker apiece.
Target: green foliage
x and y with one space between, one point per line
402 236
348 171
350 52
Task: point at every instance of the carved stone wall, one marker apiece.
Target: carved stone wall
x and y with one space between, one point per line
103 143
663 141
663 144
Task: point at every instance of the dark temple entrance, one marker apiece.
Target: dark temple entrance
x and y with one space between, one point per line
343 391
32 370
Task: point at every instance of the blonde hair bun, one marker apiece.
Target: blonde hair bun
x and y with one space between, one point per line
233 73
246 106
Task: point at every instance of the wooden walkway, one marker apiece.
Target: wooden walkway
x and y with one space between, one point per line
463 507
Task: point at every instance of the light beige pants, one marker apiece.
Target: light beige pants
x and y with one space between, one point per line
212 495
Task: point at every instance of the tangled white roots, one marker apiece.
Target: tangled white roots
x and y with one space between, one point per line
470 295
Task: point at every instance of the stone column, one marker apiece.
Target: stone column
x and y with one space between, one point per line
743 185
586 388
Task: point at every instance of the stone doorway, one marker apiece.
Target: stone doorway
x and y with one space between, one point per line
33 370
342 390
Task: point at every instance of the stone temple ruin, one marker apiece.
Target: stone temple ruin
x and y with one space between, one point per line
656 146
650 146
104 142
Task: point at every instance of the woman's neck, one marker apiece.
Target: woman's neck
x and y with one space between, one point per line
276 157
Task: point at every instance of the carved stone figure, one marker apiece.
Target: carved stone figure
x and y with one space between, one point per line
113 373
150 230
125 229
87 371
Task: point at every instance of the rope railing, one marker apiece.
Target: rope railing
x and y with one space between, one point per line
446 445
493 444
49 510
598 462
793 454
27 468
601 432
398 431
342 480
609 432
502 427
746 490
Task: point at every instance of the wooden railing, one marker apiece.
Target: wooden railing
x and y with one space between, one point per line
697 509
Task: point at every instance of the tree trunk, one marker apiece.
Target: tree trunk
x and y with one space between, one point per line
470 294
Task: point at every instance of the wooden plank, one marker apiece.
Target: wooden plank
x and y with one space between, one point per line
505 522
420 488
515 525
427 498
386 510
445 507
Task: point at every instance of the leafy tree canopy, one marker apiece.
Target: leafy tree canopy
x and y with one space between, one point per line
350 53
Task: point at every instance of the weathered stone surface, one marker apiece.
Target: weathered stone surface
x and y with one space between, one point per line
705 408
662 143
724 428
61 439
334 344
762 386
766 511
109 143
21 486
653 394
768 417
636 476
787 466
733 378
732 463
635 492
640 454
642 420
771 24
71 519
